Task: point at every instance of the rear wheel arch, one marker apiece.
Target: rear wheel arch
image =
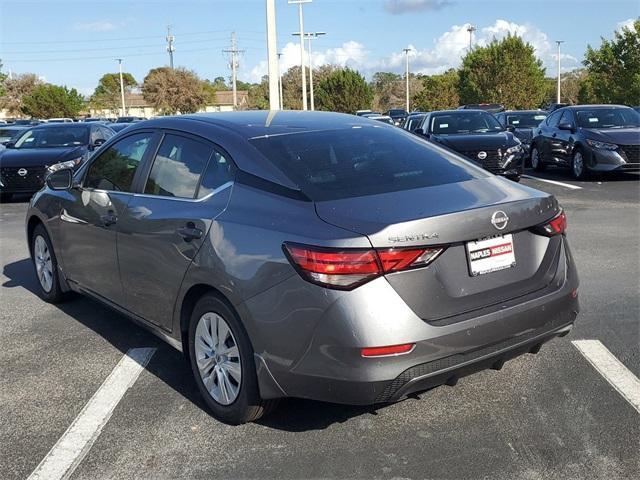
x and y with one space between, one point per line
195 293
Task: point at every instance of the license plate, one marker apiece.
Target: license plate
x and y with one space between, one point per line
491 255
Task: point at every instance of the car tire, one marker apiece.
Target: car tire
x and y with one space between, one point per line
536 161
5 197
579 169
45 265
224 368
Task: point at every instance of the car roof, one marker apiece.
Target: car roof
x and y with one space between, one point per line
257 123
462 111
60 124
576 107
525 111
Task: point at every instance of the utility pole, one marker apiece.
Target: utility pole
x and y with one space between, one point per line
309 37
471 29
302 66
406 53
234 66
121 87
275 84
280 83
170 47
558 42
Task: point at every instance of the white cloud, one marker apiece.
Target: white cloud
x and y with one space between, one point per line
446 52
99 26
628 23
398 7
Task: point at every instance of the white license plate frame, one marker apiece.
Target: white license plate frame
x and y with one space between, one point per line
489 255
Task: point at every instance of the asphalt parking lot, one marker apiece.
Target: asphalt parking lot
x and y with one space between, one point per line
552 415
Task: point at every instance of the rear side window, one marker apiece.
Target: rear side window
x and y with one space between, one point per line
115 168
219 171
177 167
358 161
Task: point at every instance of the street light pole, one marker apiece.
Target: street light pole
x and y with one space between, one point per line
406 52
121 87
471 29
302 66
275 84
558 42
310 36
280 83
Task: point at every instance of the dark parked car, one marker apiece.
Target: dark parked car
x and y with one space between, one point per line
552 107
487 107
380 118
478 136
413 121
129 119
312 254
8 132
522 123
588 138
26 122
397 114
26 161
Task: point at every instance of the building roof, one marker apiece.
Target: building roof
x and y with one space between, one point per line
136 100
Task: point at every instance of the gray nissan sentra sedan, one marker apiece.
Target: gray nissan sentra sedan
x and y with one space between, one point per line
307 254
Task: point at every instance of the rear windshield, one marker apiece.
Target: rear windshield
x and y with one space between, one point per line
334 164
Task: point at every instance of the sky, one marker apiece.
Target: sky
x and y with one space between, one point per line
74 42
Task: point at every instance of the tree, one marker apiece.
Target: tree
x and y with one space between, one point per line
15 90
259 95
107 93
505 71
613 70
571 83
50 101
3 76
439 92
173 90
343 90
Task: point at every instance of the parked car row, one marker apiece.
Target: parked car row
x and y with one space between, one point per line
582 138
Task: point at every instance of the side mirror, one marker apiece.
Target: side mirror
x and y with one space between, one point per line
510 128
419 131
566 126
97 142
60 179
9 144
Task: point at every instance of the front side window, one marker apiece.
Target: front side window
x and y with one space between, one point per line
554 118
177 167
115 168
566 118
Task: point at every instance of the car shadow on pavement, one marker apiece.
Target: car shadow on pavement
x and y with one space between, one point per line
169 366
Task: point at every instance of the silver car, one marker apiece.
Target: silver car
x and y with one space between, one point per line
307 254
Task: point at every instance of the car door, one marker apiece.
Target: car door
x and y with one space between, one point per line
547 136
563 141
164 225
90 215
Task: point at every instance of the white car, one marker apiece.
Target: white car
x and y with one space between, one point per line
60 120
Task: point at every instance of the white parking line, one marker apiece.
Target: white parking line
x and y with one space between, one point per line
619 376
554 182
75 443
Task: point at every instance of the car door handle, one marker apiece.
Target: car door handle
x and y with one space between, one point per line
189 232
109 219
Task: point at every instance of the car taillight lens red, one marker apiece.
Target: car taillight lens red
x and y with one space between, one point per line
555 226
346 269
385 351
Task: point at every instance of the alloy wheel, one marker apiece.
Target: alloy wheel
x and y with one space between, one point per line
43 262
218 358
534 158
578 165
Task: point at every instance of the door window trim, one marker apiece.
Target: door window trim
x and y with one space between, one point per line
146 170
153 145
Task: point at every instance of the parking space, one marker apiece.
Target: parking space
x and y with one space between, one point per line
552 415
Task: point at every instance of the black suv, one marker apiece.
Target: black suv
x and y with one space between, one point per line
588 138
522 123
398 115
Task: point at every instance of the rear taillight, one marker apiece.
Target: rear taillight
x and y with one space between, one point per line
345 269
556 226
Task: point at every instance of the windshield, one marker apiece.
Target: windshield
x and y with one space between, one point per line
352 162
464 122
53 137
525 120
608 118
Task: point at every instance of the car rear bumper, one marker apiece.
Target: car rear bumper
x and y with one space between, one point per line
329 367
